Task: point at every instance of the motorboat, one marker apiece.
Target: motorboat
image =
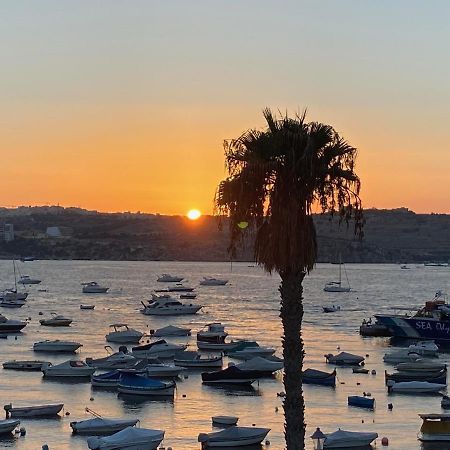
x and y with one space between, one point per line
439 377
121 333
314 376
56 346
165 305
68 369
171 330
224 421
445 402
136 384
93 288
361 402
197 360
360 370
401 356
233 437
264 366
27 258
11 325
230 375
118 360
157 349
424 348
337 286
344 359
180 288
24 365
331 309
421 365
8 425
130 438
212 337
26 279
33 411
107 379
415 387
57 320
87 306
12 294
12 303
101 425
154 368
348 439
435 427
248 350
404 267
188 295
369 329
213 282
167 278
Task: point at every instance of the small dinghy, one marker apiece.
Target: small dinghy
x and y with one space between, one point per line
159 349
140 385
68 369
360 370
226 421
25 365
213 282
196 360
171 330
8 425
122 334
265 367
313 376
130 438
87 306
57 320
348 439
100 425
439 377
56 346
230 375
33 411
233 437
331 309
415 387
344 359
361 402
108 379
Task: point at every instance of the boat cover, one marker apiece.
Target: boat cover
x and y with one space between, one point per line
230 373
101 423
234 434
129 435
148 346
113 375
262 364
341 438
134 380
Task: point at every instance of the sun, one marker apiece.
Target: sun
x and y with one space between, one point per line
193 214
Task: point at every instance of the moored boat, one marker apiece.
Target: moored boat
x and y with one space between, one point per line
24 365
233 437
344 359
435 427
167 278
226 421
342 439
93 288
26 279
439 377
313 376
68 369
33 411
121 333
171 330
118 360
230 375
249 349
108 379
57 320
361 402
160 348
130 438
165 305
56 346
420 365
136 384
265 367
207 281
101 425
197 360
8 425
11 325
415 387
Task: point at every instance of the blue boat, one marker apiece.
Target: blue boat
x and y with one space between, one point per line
361 402
313 376
134 384
108 379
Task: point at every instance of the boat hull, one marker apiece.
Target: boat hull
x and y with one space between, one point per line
8 426
133 390
170 311
36 411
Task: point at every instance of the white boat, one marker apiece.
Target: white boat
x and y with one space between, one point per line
167 278
56 346
93 288
196 359
11 325
404 267
171 330
261 365
213 282
348 439
130 438
435 427
33 411
331 309
121 333
12 294
26 279
212 337
424 348
68 369
249 349
415 387
165 305
233 437
227 421
188 295
156 369
57 320
118 360
345 359
8 425
401 356
87 306
24 365
159 348
101 425
420 365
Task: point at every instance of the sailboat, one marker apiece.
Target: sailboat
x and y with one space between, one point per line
11 298
337 286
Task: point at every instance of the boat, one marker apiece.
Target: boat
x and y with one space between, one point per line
369 329
136 384
68 369
11 325
415 387
420 365
331 309
154 368
26 279
360 370
108 379
5 303
158 348
56 346
171 330
197 360
101 425
349 439
337 286
265 367
87 306
165 305
8 425
226 421
56 320
213 282
435 264
24 365
212 337
404 267
439 377
344 359
12 294
33 411
435 427
27 258
400 356
249 349
121 333
130 438
361 402
230 375
118 360
424 348
445 402
180 288
188 295
233 437
167 278
314 376
93 288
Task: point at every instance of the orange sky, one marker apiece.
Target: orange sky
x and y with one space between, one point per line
127 109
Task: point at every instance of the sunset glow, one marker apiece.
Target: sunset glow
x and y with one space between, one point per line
193 214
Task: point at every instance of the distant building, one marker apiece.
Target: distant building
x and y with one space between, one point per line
7 232
58 232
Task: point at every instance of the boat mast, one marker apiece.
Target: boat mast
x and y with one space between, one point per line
15 277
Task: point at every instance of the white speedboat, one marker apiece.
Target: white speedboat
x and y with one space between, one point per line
415 387
33 411
68 369
171 330
26 279
11 325
122 334
401 356
226 421
101 425
234 437
344 359
8 425
197 360
167 278
87 306
348 439
424 348
93 288
435 428
157 349
213 282
118 360
57 320
24 365
130 438
56 346
165 305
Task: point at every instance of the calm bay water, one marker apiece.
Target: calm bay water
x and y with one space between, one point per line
249 309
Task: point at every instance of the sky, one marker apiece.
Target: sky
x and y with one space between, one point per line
124 105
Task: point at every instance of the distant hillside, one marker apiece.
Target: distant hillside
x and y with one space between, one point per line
396 236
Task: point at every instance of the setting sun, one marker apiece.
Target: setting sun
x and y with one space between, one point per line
194 214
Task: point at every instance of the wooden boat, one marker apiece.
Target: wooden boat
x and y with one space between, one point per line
361 402
439 377
33 411
421 365
435 427
313 376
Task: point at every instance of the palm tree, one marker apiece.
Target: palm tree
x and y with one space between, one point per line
276 176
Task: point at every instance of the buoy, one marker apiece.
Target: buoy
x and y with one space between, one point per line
184 395
91 399
390 406
374 372
23 432
267 442
338 347
364 394
169 448
368 394
186 377
385 441
45 447
358 383
367 355
276 408
67 413
253 425
41 313
362 421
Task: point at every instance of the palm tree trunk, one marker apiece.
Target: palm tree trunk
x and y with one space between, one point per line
291 314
